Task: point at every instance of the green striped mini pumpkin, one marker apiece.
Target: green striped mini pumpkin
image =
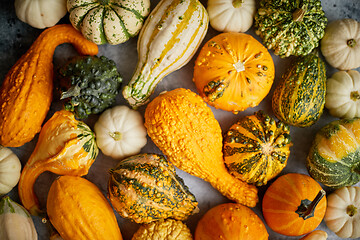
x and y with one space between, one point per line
299 98
108 21
334 157
145 188
256 148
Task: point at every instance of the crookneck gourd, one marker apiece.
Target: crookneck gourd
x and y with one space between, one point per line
256 148
92 84
65 147
334 157
145 188
169 39
26 92
184 128
299 98
290 27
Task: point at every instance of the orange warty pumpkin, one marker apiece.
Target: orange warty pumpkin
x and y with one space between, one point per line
230 221
294 204
233 72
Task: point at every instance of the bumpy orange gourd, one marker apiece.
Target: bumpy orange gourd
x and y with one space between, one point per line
233 72
294 204
26 92
184 128
65 146
78 210
230 221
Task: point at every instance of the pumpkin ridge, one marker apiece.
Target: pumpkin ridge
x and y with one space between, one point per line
132 10
78 25
122 22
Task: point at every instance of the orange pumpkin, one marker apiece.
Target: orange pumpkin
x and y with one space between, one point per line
294 204
233 72
230 221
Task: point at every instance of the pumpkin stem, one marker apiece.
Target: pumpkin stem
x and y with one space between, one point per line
351 210
351 43
117 136
71 92
307 207
237 3
355 95
299 14
104 2
239 66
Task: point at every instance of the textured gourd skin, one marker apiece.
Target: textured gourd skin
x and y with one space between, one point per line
170 37
230 221
256 148
145 188
78 210
65 147
333 159
221 81
290 27
26 92
299 98
184 128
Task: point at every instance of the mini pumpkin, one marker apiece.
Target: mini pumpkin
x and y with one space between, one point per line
120 132
112 22
10 167
341 44
233 72
294 204
343 212
333 159
231 15
343 94
256 148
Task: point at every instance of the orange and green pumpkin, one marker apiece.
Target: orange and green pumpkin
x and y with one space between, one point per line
256 148
299 98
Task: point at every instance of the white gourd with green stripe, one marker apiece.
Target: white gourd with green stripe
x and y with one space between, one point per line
108 21
170 37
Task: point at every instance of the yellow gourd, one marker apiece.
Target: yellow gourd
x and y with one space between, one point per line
186 131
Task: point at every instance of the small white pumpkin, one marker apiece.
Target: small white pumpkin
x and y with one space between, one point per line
231 15
343 212
15 221
108 21
120 132
343 94
341 44
40 13
10 168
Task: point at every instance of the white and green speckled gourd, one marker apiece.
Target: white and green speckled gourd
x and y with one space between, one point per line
169 38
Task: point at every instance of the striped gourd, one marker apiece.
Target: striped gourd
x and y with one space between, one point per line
299 98
334 157
170 37
256 148
108 21
145 188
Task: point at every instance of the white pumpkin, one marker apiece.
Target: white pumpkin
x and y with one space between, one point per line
343 212
10 168
40 13
343 94
120 132
231 15
341 44
105 21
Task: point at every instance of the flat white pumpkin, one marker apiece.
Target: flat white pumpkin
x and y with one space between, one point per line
40 13
10 168
343 212
231 15
341 44
108 21
343 94
120 132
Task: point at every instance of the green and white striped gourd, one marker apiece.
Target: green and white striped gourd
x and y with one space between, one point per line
170 37
108 21
145 188
299 98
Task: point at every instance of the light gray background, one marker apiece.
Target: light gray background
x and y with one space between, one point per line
16 37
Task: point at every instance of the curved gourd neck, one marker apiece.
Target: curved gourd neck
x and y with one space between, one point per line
307 208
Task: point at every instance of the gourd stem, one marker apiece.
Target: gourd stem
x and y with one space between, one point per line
71 92
237 3
298 14
351 210
355 95
307 207
351 43
117 136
